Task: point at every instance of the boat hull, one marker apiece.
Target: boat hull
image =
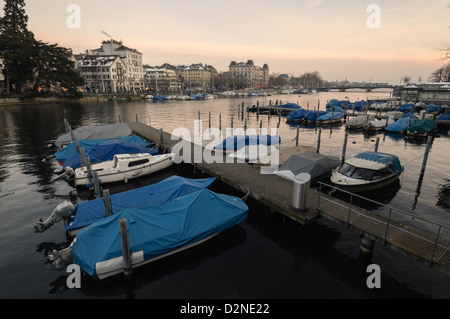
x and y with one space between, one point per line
359 185
107 175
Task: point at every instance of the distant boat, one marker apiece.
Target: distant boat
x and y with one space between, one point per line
406 107
330 118
421 128
378 125
358 122
293 106
154 232
367 171
85 213
296 116
236 142
311 116
443 120
401 125
124 167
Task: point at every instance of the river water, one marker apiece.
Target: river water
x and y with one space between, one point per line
266 256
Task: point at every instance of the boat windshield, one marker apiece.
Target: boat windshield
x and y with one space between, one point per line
362 173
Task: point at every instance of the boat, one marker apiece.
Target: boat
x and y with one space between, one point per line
400 126
71 149
359 121
78 216
296 116
408 107
318 166
311 116
378 125
154 232
105 152
330 118
395 114
93 132
236 142
421 128
443 120
252 153
367 171
123 168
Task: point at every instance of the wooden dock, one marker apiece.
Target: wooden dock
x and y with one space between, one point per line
277 193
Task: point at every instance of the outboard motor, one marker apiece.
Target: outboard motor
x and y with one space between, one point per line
62 211
60 259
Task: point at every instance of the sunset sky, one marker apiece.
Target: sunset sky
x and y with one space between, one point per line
292 36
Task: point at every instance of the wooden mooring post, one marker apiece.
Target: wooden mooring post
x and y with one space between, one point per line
126 252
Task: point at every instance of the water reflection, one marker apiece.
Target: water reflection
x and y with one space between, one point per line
444 195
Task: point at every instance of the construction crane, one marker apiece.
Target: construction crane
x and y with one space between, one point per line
107 34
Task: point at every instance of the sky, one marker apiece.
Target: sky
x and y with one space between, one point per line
357 40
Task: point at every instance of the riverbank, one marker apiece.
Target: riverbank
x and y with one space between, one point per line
97 98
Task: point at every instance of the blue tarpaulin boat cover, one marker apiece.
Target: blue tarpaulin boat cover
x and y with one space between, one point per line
236 142
159 229
410 114
383 158
406 107
336 109
433 108
106 152
400 125
167 190
332 102
71 149
330 115
443 117
296 115
311 116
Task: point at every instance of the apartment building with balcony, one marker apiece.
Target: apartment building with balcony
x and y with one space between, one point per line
132 59
103 74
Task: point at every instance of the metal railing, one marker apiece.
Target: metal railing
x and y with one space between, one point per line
388 221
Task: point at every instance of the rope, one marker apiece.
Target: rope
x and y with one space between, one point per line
246 196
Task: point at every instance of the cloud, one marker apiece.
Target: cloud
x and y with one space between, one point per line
314 3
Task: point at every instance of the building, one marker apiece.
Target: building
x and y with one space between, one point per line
430 92
249 75
197 77
103 74
132 60
161 79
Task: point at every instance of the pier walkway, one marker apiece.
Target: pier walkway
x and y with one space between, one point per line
277 193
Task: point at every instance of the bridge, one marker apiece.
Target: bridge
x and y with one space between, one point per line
344 88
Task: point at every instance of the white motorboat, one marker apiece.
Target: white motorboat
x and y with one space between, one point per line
367 171
124 167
